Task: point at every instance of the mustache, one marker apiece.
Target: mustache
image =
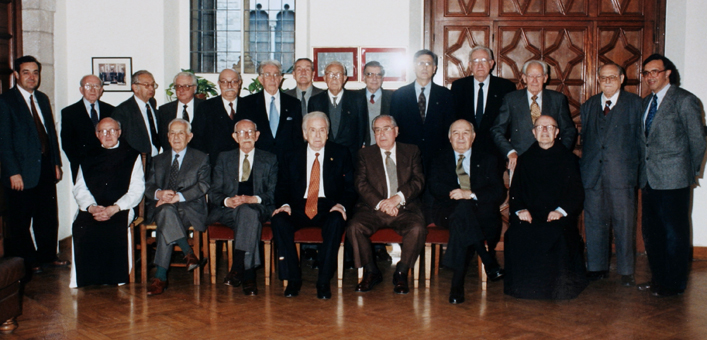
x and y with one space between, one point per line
229 90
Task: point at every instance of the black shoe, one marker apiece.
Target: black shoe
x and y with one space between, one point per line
646 286
250 288
665 292
400 280
597 275
232 279
315 264
323 291
495 275
369 281
627 280
293 288
456 295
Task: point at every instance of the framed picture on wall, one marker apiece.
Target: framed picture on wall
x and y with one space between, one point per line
114 72
345 55
394 61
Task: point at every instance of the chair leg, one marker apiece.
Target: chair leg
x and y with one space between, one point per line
197 251
212 260
143 253
267 251
437 256
482 273
132 253
340 266
416 274
360 274
428 264
205 251
298 246
230 254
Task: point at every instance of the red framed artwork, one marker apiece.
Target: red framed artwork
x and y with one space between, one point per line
394 60
345 55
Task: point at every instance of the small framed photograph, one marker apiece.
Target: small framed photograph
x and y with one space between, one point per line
114 72
345 55
393 60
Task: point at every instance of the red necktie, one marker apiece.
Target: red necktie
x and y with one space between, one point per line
310 207
43 136
372 101
606 108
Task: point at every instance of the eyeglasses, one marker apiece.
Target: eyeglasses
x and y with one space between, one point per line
425 63
384 129
478 61
270 75
540 128
652 73
229 82
611 79
373 75
535 77
107 132
246 132
146 85
183 87
336 75
88 87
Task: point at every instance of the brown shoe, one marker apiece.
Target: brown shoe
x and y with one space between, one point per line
193 262
156 287
8 326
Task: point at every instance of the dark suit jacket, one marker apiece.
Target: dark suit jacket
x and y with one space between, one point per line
20 148
353 124
337 177
213 128
166 113
289 131
371 179
133 125
293 93
515 116
611 151
430 137
193 183
676 142
225 180
78 135
386 99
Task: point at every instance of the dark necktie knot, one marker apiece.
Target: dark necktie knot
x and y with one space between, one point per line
373 100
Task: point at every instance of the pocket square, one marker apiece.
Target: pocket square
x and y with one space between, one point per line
289 118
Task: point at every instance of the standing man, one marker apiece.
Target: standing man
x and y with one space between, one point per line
31 167
79 121
176 186
345 109
243 197
137 115
304 75
215 118
278 116
314 188
674 145
377 99
184 107
521 108
611 158
389 180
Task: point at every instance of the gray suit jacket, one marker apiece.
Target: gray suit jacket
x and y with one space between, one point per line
614 152
515 116
193 183
676 144
226 178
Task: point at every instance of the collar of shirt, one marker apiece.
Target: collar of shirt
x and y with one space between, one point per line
661 93
268 98
310 162
115 147
26 95
307 94
539 99
181 156
418 89
392 154
613 100
338 96
378 95
466 162
242 157
141 104
228 107
87 104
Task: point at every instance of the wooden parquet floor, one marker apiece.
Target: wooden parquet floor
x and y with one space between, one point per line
605 310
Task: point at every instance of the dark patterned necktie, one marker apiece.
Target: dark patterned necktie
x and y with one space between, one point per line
422 104
153 129
464 182
173 173
185 114
43 136
480 104
607 108
651 113
232 114
94 115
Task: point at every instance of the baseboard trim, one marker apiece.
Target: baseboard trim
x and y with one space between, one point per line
699 253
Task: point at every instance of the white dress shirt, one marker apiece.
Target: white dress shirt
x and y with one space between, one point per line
338 97
613 100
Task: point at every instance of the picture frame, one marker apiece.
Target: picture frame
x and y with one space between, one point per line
345 55
114 72
393 59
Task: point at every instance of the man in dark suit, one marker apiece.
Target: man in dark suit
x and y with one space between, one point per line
611 158
423 109
184 107
176 188
377 99
346 110
243 197
314 188
389 181
137 115
674 146
521 108
31 167
278 116
467 192
215 118
304 75
78 122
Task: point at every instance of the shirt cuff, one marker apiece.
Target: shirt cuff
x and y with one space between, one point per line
260 200
561 211
378 206
473 196
402 197
181 197
224 201
510 152
156 191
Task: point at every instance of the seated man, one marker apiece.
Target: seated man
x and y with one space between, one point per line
177 182
243 197
314 188
468 193
109 183
389 182
544 253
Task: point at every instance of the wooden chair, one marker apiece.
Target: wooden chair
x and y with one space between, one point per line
219 232
387 235
314 235
196 243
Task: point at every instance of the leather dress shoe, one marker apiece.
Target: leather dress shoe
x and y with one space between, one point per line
193 262
156 287
323 291
646 286
400 280
293 288
495 275
250 288
456 295
665 292
8 326
369 281
232 279
597 275
627 280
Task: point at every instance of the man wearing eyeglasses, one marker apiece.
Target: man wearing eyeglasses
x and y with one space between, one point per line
278 116
242 196
138 117
520 109
673 144
304 75
184 107
346 109
78 122
611 137
377 99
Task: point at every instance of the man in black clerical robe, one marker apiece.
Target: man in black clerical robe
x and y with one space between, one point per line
544 253
110 182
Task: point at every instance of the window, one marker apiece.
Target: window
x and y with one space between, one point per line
241 33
